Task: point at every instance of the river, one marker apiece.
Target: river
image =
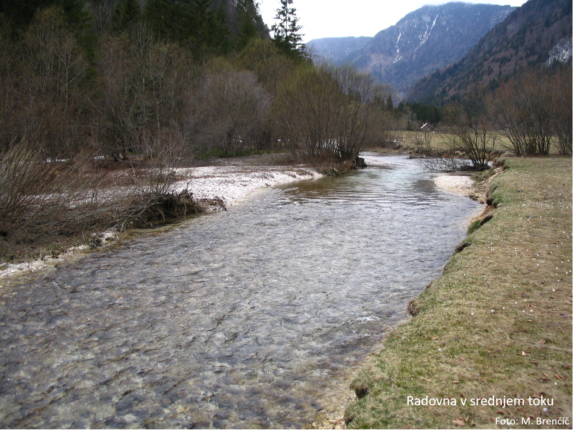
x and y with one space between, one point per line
240 319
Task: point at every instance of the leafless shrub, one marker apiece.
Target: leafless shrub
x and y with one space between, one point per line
423 144
476 143
117 128
146 87
231 112
50 76
522 109
390 138
43 197
263 59
561 110
323 114
305 113
164 152
468 148
24 178
444 164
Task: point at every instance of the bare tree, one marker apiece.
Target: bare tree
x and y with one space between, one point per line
117 130
146 88
51 73
476 143
263 58
324 113
561 109
522 109
10 98
231 111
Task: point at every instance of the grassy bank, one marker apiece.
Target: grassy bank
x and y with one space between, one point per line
497 323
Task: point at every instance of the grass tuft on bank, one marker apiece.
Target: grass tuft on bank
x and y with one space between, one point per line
498 323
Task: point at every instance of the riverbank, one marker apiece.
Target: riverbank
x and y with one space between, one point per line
497 324
231 181
256 320
455 184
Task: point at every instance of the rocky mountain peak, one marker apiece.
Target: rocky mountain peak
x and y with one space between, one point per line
425 40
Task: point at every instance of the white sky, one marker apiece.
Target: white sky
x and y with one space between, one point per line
329 18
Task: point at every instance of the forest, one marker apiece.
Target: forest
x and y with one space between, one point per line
100 95
112 95
122 79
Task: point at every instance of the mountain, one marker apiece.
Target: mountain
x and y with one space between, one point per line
335 50
536 34
421 42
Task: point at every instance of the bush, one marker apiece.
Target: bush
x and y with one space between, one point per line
561 110
231 112
324 114
24 182
531 109
475 143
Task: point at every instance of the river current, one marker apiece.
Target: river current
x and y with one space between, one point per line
240 319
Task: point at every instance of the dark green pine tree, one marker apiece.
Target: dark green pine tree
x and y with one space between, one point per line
125 12
131 12
286 30
21 12
167 18
198 20
389 104
247 18
219 35
76 14
193 23
117 16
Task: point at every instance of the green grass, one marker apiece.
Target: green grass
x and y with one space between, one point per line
497 323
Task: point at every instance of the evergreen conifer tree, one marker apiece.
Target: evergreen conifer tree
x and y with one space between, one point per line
389 104
21 12
247 19
220 36
117 16
199 19
125 13
286 30
166 18
131 12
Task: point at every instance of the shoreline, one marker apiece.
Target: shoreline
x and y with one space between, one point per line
462 185
230 183
459 184
492 324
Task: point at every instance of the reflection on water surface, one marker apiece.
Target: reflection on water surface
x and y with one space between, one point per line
239 319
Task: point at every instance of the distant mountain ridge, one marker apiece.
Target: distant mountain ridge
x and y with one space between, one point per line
336 50
423 41
536 34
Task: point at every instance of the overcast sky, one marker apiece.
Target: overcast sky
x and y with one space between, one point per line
329 18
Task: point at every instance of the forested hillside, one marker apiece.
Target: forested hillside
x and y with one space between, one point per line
421 42
90 87
533 35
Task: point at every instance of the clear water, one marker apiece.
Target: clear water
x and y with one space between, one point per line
240 319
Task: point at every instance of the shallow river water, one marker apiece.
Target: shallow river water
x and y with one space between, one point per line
240 319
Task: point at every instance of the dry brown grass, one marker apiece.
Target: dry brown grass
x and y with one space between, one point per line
442 141
497 323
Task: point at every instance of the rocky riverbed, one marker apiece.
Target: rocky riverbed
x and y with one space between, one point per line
231 181
241 319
